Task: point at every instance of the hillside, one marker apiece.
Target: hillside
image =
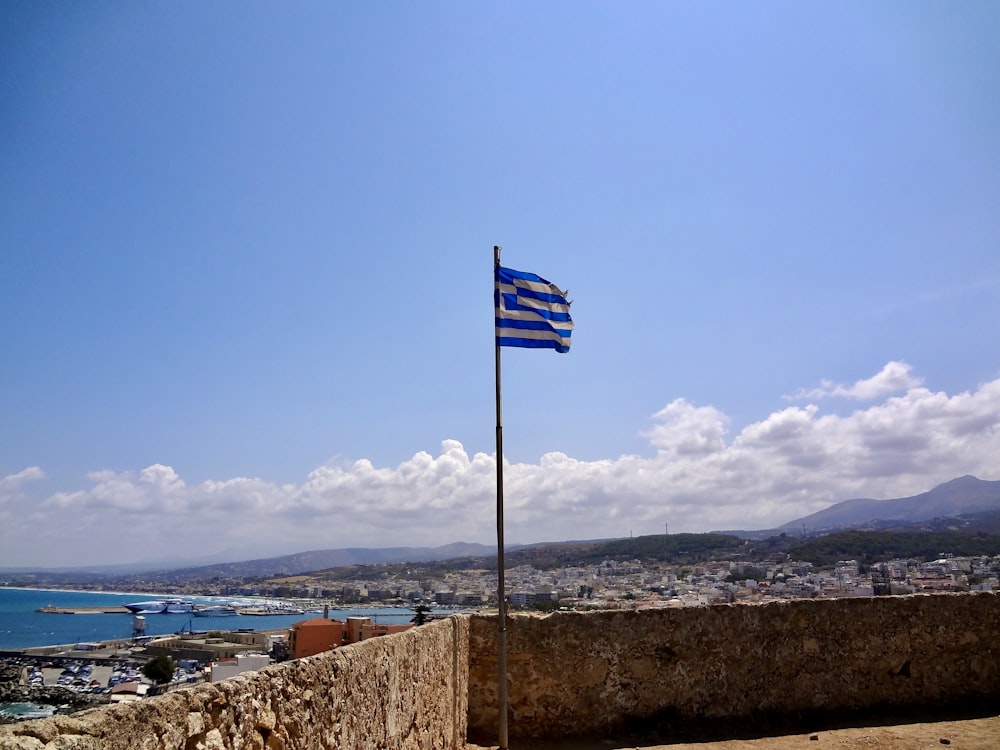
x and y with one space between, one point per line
319 560
679 549
869 547
959 496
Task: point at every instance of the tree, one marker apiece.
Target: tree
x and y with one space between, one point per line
159 669
420 617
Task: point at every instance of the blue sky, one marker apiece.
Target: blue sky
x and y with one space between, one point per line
246 289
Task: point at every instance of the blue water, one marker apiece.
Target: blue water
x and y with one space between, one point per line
22 627
24 711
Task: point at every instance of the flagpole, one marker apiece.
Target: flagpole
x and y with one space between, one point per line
501 588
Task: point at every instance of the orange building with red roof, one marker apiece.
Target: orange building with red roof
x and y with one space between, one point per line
319 634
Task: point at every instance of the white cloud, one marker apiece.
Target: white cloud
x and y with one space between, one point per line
893 378
12 483
685 430
790 463
11 488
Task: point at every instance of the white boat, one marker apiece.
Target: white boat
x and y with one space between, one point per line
216 610
272 609
161 606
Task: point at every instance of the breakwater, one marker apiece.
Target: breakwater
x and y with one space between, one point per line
50 610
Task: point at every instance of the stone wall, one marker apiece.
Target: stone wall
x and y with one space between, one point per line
575 674
616 673
407 690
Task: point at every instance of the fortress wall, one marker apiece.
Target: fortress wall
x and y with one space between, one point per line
407 690
574 674
602 673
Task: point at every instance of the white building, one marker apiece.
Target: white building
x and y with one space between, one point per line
223 670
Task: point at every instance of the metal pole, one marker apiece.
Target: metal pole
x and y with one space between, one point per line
501 593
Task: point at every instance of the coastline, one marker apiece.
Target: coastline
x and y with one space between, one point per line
4 587
23 626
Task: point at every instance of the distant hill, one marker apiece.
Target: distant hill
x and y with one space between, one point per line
984 522
304 562
271 566
869 547
674 548
421 562
966 498
963 495
680 549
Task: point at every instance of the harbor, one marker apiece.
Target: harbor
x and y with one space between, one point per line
198 611
30 618
42 681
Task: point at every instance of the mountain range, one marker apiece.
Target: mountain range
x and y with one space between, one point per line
959 498
330 558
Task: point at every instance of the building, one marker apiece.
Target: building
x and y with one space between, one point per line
204 649
223 670
319 634
315 635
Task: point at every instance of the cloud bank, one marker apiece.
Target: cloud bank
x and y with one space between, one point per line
894 377
697 477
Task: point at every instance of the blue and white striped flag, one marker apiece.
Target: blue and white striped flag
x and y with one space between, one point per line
530 311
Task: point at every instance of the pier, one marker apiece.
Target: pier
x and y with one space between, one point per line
112 610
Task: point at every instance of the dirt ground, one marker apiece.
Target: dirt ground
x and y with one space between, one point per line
969 734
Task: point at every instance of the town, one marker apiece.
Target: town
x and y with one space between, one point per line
636 584
609 584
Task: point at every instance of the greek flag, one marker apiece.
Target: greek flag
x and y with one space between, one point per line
530 311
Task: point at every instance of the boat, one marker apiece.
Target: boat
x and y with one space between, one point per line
161 606
216 610
272 610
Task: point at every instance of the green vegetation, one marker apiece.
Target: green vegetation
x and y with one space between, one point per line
869 547
159 669
673 548
421 616
687 550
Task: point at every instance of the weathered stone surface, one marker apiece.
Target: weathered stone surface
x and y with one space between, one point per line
571 674
576 674
212 741
20 743
10 674
74 742
196 723
402 691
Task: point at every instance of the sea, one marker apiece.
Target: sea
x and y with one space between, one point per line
22 626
